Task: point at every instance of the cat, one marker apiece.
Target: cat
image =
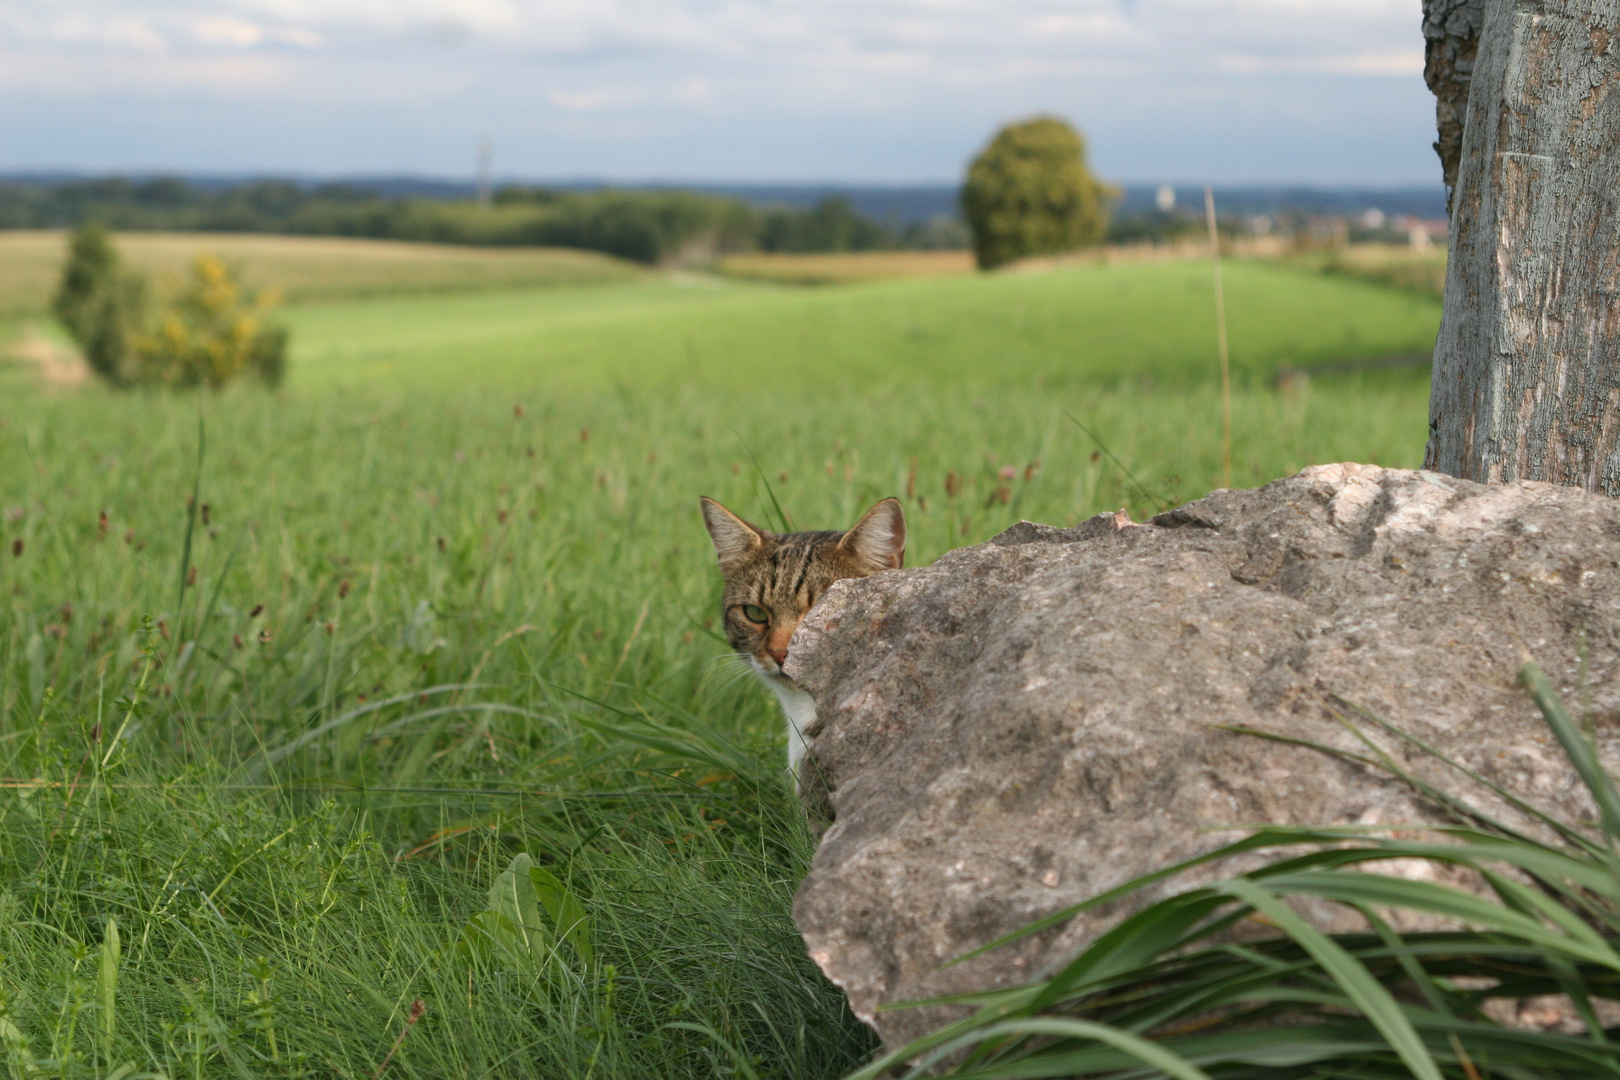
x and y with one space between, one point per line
773 579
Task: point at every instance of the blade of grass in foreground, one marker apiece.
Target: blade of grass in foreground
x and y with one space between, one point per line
1577 748
1362 989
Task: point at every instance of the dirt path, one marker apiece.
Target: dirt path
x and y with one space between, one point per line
58 365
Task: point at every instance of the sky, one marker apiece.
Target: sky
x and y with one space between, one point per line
1325 92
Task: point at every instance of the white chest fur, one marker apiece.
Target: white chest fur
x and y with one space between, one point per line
800 709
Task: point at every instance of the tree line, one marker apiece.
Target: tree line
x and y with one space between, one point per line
1028 193
650 226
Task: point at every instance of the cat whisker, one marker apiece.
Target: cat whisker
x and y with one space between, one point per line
727 670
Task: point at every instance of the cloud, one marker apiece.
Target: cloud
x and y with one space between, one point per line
1132 66
1399 62
927 32
593 100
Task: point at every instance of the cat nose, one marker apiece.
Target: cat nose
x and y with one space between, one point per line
779 655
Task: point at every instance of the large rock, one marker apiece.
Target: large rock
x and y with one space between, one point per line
1027 723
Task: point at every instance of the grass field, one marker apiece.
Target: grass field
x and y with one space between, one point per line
838 268
1395 265
447 598
307 268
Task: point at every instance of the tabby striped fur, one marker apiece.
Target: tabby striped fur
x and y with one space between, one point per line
773 579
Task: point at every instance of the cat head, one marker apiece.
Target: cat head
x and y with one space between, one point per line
773 579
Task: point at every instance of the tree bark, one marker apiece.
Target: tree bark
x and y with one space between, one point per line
1450 42
1526 381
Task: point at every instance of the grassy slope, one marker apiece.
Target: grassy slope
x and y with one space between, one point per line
405 527
1078 325
832 268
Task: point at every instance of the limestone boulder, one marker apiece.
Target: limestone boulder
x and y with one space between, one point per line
1032 721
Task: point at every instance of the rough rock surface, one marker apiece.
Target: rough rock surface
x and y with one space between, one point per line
1026 723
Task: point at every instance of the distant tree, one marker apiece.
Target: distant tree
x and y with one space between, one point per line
1030 193
521 195
100 303
833 224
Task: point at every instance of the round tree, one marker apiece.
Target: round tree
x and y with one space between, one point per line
1030 193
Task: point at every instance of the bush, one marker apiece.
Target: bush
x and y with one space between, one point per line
1030 193
210 334
100 303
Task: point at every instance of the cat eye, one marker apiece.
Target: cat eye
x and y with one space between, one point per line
755 614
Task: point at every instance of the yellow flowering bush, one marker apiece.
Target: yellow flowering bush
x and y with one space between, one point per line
213 332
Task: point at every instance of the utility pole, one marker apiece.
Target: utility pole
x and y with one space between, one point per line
486 153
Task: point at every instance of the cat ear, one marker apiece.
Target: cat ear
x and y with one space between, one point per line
880 536
734 538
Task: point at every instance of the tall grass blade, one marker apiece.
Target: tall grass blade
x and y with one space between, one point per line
1362 989
742 1064
782 522
1142 490
107 991
1262 838
1578 748
270 757
1132 1048
1570 835
191 527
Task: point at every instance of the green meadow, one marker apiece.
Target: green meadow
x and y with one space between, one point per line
288 680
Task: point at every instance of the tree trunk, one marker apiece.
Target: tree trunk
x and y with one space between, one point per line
1450 42
1526 379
